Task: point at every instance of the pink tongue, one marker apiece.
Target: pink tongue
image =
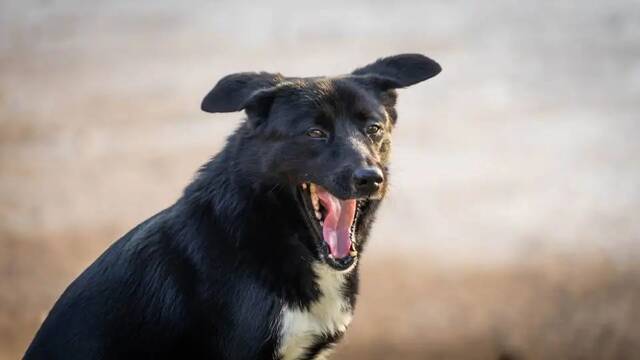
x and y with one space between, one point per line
337 222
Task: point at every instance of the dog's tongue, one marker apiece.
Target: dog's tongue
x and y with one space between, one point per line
337 222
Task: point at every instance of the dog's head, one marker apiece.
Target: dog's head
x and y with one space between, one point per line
328 138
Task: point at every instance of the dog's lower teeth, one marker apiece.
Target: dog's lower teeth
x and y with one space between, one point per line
304 186
318 215
353 253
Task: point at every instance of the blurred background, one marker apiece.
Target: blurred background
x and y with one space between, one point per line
511 230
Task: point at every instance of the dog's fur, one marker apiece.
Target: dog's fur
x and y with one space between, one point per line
233 269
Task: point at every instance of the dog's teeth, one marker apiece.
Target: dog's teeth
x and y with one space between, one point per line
353 253
330 256
314 197
318 215
304 186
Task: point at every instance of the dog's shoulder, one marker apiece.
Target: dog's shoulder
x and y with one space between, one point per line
309 331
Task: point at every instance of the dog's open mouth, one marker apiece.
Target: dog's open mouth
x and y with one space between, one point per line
333 222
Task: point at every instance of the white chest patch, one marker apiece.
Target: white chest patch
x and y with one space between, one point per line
329 315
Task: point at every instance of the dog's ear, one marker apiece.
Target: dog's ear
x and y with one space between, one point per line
259 104
398 71
234 92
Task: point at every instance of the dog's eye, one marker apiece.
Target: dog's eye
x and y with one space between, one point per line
316 133
373 129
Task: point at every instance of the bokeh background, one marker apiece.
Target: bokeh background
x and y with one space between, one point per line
511 230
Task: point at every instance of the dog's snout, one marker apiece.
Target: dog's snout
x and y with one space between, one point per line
368 179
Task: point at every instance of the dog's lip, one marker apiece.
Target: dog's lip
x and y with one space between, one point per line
315 226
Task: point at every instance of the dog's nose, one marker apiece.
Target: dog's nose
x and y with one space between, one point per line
368 179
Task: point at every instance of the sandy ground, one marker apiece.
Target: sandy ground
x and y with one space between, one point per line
511 229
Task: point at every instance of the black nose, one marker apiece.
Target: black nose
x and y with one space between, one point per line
367 179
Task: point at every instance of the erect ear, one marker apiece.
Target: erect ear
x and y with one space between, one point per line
399 71
233 92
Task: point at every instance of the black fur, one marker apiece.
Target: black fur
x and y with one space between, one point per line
207 278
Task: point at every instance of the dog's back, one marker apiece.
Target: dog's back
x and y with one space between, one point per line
144 299
131 303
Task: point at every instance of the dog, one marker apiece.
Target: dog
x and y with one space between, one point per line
258 259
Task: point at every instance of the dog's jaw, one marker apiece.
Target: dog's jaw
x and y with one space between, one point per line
333 224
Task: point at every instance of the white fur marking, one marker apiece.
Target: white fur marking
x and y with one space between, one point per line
324 354
329 315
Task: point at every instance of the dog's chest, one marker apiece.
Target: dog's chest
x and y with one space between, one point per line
301 330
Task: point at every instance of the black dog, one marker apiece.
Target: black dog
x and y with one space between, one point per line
258 258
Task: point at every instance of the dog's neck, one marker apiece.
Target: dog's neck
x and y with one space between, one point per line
260 225
233 195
